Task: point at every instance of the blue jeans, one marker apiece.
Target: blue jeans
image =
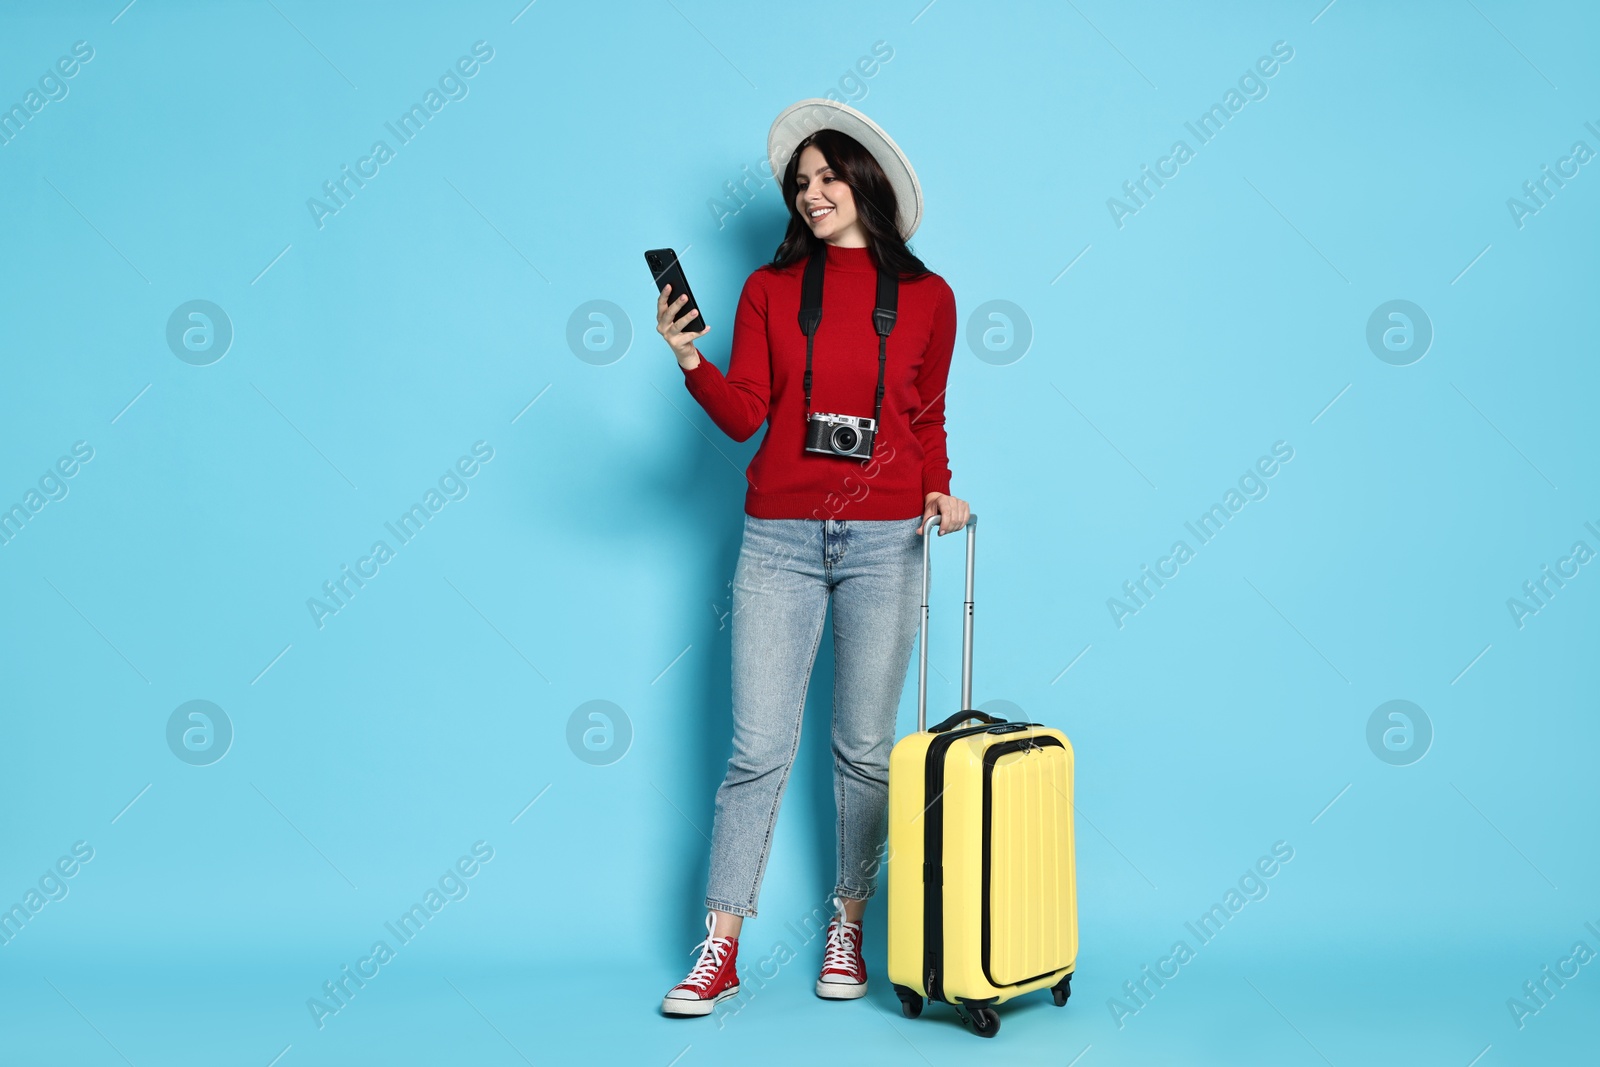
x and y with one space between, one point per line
788 572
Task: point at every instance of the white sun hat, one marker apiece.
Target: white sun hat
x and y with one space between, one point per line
800 120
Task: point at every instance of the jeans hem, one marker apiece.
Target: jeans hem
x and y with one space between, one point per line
731 909
853 893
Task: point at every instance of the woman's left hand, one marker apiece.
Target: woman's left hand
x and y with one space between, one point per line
952 512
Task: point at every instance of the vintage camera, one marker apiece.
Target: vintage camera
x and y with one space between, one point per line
840 435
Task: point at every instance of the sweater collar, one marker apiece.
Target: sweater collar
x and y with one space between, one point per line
851 260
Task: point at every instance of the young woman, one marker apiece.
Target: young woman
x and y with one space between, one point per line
823 528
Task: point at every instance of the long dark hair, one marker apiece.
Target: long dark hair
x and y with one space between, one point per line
876 205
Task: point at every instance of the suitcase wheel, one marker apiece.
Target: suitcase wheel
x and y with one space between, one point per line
984 1020
1061 991
910 1001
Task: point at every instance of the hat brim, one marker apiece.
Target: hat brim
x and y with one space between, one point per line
800 120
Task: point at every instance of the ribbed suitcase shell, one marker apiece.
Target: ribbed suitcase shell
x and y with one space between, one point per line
1006 888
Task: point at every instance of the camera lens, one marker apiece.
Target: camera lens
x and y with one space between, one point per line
845 439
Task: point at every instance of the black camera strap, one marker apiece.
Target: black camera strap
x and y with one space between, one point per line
883 316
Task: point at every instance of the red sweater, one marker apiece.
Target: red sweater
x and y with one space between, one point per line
765 382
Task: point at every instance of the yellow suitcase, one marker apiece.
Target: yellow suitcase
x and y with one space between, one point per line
982 894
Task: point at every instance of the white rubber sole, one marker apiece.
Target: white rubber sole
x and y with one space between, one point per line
678 1006
840 990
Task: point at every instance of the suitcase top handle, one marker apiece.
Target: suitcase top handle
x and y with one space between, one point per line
966 627
965 716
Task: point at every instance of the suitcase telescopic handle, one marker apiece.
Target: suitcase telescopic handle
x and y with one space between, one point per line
966 626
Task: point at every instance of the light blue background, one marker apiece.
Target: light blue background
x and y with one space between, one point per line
589 559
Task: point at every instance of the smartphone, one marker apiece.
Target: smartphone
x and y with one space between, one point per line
666 270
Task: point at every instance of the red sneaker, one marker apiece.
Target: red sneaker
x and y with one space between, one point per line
844 974
712 978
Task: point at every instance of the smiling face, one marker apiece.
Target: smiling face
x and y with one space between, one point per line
826 203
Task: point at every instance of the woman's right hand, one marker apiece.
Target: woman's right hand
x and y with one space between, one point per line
671 329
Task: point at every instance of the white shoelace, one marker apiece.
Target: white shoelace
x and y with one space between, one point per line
713 950
840 952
